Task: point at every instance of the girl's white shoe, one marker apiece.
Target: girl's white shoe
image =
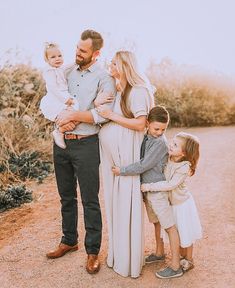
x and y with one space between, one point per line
186 265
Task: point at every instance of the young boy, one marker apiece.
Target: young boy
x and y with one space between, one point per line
153 158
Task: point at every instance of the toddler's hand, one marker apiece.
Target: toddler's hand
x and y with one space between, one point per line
69 102
116 170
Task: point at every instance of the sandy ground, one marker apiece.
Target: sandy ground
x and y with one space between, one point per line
28 232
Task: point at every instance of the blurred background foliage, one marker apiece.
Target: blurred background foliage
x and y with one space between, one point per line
192 97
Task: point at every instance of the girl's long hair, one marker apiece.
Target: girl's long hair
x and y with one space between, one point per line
190 149
127 68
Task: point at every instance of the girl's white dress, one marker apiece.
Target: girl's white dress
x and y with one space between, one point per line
57 92
187 222
183 205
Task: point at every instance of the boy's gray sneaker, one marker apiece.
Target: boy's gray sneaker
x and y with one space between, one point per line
154 258
169 273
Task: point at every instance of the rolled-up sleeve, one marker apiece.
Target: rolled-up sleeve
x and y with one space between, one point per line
106 84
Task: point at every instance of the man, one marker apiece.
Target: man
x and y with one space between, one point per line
80 160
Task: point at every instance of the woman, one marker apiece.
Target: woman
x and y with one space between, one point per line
120 142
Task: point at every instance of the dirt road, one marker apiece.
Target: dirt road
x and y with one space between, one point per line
27 233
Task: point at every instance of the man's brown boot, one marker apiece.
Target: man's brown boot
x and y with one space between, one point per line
93 264
61 250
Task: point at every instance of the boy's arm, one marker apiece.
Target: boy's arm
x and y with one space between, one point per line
178 178
151 157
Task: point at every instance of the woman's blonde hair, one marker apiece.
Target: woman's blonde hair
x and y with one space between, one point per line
48 46
190 149
127 67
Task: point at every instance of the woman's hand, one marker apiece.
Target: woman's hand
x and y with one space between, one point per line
105 113
103 98
145 187
116 170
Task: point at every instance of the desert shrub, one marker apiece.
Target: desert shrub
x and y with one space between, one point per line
14 196
29 165
193 98
25 142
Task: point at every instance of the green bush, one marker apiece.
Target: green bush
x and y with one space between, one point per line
14 196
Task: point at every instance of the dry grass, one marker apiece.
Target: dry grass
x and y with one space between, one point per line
22 127
193 98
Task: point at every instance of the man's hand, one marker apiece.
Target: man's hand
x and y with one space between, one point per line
67 127
116 170
64 117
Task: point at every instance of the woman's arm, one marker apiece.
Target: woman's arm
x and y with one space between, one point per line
137 124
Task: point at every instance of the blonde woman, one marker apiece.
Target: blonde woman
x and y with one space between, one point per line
120 143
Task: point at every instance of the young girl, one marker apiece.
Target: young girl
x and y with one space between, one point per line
58 97
184 155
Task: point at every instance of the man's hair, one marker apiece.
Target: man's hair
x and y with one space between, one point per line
159 114
96 38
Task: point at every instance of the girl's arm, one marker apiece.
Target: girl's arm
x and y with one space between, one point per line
177 179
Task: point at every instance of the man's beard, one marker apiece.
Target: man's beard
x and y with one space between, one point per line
84 62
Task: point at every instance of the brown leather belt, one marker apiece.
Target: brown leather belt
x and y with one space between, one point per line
75 136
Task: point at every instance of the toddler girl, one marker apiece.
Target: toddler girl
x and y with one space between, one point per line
184 155
57 97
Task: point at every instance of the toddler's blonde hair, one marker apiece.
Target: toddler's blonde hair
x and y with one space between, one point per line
48 46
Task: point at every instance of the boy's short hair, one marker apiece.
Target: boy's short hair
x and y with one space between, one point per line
96 38
159 114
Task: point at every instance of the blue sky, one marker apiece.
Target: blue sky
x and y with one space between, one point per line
193 32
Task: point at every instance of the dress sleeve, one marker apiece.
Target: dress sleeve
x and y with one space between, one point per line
140 101
178 178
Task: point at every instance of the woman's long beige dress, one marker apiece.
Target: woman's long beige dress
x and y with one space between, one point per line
123 200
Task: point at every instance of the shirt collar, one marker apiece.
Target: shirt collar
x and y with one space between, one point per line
92 68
